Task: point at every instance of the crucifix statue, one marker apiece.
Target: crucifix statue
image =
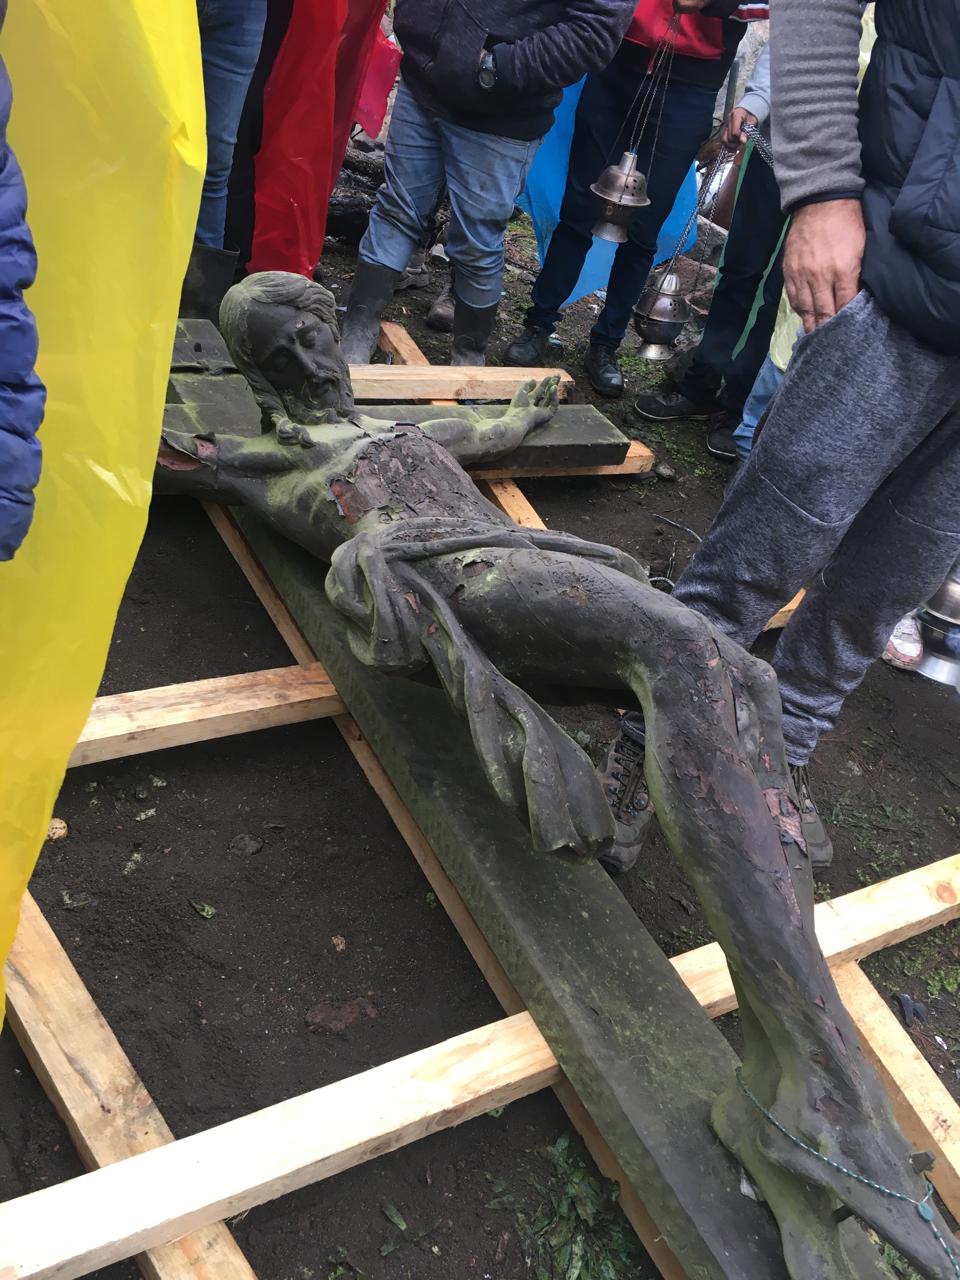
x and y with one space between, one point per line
430 574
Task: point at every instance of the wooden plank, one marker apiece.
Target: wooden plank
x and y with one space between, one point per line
70 1229
509 497
925 1111
639 460
848 928
397 342
783 616
97 1093
399 383
126 724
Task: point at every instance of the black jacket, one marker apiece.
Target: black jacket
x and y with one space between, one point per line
540 46
910 140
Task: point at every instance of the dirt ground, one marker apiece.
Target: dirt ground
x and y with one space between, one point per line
318 907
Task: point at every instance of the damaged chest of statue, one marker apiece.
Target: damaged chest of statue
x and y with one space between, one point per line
436 616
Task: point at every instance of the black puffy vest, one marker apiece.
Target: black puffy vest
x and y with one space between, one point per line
910 137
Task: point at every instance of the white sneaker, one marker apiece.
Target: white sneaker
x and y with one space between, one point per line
904 648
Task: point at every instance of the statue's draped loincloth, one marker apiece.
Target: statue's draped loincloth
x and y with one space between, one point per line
400 622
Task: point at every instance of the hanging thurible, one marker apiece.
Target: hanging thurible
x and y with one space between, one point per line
660 315
620 190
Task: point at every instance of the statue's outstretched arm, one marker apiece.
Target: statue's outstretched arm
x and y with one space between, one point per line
473 438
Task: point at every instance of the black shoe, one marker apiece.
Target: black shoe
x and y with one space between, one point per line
818 844
670 405
472 327
626 790
209 275
533 349
373 287
721 444
440 315
603 370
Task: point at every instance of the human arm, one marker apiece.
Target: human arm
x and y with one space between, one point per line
558 55
814 63
478 438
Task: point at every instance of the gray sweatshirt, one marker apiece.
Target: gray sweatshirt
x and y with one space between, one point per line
814 59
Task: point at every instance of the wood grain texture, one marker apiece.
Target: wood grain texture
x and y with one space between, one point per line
639 460
98 1095
510 498
126 724
924 1108
783 616
397 383
68 1230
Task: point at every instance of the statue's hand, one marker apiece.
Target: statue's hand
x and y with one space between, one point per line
536 402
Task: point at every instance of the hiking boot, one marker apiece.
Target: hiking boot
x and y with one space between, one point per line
626 790
671 405
440 315
417 273
720 442
534 348
603 370
373 287
472 327
818 843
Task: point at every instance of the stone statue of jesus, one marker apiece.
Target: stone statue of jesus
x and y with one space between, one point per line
429 573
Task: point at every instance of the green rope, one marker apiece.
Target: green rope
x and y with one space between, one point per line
923 1207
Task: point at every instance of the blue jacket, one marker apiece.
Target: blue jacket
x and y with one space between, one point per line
910 139
22 394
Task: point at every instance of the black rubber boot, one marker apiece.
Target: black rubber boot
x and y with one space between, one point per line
209 275
534 348
603 370
472 327
373 287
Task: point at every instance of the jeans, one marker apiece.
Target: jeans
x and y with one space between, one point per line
756 230
765 387
484 174
230 35
851 492
685 113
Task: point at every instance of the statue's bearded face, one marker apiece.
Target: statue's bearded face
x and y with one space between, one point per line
299 355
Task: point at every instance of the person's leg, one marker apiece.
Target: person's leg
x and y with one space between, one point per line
485 175
859 396
755 232
597 142
894 556
230 36
741 374
399 221
687 114
766 385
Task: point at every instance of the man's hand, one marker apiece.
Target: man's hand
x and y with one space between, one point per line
732 133
821 263
536 403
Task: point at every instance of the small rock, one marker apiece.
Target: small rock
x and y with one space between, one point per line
851 766
145 815
664 471
132 863
339 942
76 901
245 844
57 829
142 793
584 739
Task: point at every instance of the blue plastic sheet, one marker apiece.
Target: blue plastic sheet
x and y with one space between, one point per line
544 193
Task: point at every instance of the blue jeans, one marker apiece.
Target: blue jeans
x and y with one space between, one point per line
765 387
598 140
484 174
756 231
230 35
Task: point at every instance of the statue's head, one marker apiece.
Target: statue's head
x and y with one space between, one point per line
282 333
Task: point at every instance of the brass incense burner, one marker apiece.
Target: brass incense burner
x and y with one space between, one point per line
620 190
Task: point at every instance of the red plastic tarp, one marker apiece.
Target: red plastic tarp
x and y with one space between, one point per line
309 107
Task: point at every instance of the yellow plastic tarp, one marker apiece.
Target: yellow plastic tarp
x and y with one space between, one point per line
108 126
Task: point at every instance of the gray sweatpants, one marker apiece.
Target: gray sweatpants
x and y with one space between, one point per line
853 491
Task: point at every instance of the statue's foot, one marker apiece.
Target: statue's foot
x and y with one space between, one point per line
813 1244
862 1141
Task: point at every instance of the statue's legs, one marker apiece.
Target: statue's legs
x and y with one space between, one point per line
718 777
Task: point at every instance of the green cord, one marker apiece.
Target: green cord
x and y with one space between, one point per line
923 1207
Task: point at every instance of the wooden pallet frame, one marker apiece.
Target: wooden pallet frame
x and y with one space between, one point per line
163 1199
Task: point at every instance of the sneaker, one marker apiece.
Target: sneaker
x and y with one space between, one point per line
818 844
603 370
670 405
626 790
905 647
721 444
